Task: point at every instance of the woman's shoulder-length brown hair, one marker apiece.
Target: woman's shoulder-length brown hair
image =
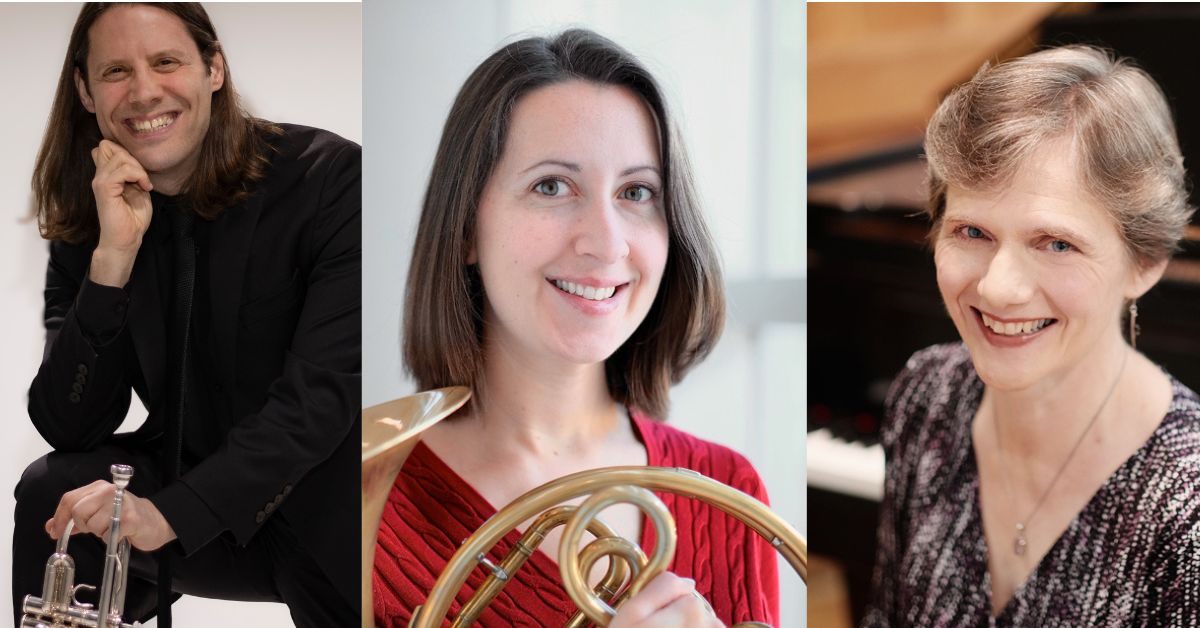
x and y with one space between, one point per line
233 157
443 310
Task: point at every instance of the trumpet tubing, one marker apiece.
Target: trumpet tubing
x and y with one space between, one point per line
57 607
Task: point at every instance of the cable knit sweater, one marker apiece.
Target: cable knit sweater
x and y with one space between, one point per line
431 510
1131 557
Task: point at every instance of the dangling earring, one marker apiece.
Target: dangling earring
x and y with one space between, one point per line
1134 330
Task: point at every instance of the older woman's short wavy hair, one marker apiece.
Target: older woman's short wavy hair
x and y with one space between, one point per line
1113 112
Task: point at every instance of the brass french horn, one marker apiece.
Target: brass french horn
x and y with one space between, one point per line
391 430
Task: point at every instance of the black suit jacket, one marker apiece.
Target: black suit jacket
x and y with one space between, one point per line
285 327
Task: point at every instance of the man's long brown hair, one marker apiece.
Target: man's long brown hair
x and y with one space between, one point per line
233 157
443 315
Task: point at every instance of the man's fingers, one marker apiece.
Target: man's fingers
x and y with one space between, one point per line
125 170
63 512
97 522
69 505
108 149
115 163
55 525
86 510
132 173
105 151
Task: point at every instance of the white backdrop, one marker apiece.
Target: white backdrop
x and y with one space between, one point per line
297 63
734 72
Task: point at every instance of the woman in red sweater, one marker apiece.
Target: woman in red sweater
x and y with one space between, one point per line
562 271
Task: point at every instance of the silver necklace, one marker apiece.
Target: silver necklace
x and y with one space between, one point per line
1019 543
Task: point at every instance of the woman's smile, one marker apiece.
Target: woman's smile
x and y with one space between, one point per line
1012 332
593 299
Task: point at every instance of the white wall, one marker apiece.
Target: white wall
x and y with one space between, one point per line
733 70
297 63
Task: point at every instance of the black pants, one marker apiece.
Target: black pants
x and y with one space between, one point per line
272 568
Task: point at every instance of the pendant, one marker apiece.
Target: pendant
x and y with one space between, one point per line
1019 543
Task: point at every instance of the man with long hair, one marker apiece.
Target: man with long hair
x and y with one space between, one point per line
209 262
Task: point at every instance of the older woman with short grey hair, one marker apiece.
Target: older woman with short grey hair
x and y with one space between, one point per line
1043 471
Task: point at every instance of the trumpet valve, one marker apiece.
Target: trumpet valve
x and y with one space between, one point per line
59 582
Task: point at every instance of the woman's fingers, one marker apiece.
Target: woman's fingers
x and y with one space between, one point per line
667 601
660 593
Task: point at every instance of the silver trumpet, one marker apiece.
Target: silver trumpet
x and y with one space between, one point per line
58 607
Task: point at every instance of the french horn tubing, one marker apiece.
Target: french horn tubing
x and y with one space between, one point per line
392 438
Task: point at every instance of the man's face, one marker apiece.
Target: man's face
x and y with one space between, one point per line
150 90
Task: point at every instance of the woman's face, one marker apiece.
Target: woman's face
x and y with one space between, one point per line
571 236
1034 275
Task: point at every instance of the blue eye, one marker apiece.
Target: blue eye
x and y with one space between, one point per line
973 232
637 193
1058 246
550 187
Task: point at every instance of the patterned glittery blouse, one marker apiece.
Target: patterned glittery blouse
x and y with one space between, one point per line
1131 557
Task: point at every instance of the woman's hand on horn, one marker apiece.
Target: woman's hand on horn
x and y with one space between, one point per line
666 602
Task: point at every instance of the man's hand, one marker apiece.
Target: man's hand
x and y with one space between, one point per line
122 190
667 602
91 509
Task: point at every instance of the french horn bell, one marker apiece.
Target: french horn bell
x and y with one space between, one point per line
391 430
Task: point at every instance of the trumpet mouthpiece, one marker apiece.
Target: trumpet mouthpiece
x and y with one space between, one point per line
121 474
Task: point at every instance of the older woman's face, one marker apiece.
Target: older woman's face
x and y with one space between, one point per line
571 237
1034 275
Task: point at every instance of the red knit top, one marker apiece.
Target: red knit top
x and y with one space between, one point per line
431 510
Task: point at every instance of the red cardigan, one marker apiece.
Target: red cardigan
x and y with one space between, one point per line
431 510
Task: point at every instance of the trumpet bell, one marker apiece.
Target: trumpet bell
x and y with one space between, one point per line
389 432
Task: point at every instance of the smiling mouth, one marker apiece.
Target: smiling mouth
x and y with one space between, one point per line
590 293
143 127
1022 328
